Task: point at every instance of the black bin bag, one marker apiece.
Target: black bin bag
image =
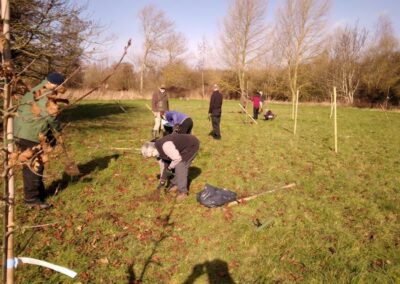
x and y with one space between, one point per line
212 196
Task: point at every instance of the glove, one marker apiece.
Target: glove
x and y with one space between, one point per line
162 184
176 128
169 172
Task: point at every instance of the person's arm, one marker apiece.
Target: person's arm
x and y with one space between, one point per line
163 168
172 153
211 103
154 103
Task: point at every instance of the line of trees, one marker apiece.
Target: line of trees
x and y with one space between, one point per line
297 52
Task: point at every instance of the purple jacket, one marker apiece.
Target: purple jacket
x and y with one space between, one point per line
174 117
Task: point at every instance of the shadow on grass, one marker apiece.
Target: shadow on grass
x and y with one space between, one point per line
194 172
217 271
167 229
20 246
84 169
93 111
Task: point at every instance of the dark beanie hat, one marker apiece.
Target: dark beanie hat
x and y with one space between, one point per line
55 78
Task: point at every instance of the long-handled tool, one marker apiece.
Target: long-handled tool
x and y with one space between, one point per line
241 200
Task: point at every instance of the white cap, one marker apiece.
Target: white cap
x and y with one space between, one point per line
149 150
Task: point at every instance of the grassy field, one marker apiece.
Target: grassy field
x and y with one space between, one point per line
340 223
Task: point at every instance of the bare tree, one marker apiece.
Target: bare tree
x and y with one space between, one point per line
53 33
175 45
243 37
381 68
156 28
202 57
299 32
346 55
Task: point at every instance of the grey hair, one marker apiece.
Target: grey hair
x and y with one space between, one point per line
148 149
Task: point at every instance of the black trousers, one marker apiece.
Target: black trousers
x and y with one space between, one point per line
255 112
215 121
186 126
33 181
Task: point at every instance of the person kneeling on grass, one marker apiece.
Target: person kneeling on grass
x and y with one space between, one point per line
180 122
175 153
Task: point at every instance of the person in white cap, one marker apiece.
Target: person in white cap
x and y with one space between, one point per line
175 154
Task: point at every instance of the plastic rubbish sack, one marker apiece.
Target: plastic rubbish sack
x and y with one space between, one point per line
269 115
212 196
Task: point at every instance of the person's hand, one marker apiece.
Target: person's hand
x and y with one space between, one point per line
161 184
176 128
209 116
169 172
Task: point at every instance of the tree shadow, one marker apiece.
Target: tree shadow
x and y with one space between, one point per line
84 169
167 229
22 245
93 111
217 271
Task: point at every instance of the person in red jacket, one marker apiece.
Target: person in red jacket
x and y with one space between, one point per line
257 104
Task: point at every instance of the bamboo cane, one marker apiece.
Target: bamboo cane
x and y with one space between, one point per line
233 203
248 114
335 118
295 113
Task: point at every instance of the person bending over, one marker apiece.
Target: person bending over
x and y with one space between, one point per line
175 154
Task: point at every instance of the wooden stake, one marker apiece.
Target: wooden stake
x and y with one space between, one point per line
335 118
248 113
8 244
148 107
295 113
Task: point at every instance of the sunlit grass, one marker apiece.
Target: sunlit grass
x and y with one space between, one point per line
339 224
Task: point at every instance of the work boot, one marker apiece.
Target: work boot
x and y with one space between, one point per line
181 197
37 204
172 189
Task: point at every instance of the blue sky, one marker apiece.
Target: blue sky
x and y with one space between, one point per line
198 18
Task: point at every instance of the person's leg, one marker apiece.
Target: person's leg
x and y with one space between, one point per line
216 122
186 126
181 175
32 178
256 113
157 125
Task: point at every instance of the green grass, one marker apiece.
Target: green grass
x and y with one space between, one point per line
340 224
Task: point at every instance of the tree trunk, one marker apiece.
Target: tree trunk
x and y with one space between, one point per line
141 80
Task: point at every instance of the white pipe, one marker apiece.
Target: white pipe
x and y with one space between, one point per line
28 260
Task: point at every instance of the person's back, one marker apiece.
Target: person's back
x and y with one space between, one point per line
216 103
185 144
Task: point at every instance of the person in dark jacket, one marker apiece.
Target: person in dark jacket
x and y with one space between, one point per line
214 112
159 103
36 118
180 122
175 153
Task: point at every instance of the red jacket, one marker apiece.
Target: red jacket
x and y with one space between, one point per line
256 100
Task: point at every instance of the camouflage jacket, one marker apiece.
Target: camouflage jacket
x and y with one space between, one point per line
33 117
